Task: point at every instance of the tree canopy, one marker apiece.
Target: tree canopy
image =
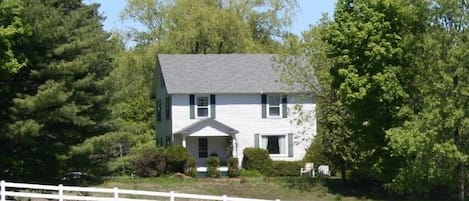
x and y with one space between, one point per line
396 75
58 97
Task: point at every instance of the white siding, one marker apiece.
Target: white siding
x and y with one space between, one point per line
243 113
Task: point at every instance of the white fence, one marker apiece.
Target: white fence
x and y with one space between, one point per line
61 193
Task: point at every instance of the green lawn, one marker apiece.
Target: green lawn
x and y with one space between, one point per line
293 188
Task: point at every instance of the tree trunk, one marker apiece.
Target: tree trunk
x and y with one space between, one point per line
343 171
461 181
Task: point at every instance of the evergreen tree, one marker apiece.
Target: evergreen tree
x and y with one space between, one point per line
61 94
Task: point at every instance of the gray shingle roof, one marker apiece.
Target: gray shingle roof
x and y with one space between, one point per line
220 73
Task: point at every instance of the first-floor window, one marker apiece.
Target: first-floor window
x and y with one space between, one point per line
275 144
203 148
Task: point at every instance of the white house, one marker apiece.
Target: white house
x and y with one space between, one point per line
219 104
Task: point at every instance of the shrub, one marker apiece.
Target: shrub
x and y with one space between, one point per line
191 167
212 169
257 159
233 168
150 164
176 157
285 168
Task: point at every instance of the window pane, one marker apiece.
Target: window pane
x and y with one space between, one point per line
202 112
274 100
202 101
274 111
273 144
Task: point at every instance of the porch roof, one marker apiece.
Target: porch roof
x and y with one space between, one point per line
204 123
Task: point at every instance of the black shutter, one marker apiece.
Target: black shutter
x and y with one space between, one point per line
158 110
212 106
284 106
256 140
168 107
290 144
192 107
264 105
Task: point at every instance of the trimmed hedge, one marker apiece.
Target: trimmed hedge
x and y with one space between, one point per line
285 168
233 168
212 170
191 167
176 157
256 159
150 164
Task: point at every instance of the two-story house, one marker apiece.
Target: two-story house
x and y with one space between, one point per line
219 104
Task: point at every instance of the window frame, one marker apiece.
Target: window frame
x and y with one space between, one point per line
280 112
197 107
285 148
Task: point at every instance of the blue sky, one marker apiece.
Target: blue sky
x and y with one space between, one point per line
310 12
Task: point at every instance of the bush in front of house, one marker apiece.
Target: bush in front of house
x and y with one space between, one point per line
176 157
212 170
150 164
233 167
256 159
191 167
285 168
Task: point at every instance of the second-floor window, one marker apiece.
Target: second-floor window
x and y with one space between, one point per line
202 106
274 106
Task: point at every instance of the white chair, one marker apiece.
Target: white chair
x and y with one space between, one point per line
324 170
309 168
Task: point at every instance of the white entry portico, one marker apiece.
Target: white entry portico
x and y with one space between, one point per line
208 137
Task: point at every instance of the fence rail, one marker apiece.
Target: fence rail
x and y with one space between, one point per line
61 193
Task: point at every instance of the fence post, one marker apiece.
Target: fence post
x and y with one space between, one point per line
224 198
171 196
61 192
116 193
2 190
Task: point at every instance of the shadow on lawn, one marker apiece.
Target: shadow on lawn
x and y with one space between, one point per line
369 190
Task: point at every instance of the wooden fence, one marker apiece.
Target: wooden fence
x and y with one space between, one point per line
10 190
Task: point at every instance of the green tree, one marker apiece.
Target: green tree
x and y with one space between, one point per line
369 41
132 115
312 71
211 26
12 34
434 140
61 91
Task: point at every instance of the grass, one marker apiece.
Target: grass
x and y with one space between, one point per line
285 189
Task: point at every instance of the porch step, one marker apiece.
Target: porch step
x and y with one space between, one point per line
204 169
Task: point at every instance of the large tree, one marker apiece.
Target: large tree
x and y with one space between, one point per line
434 141
211 26
61 93
368 39
307 64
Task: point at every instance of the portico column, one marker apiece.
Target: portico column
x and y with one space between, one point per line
184 140
235 148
